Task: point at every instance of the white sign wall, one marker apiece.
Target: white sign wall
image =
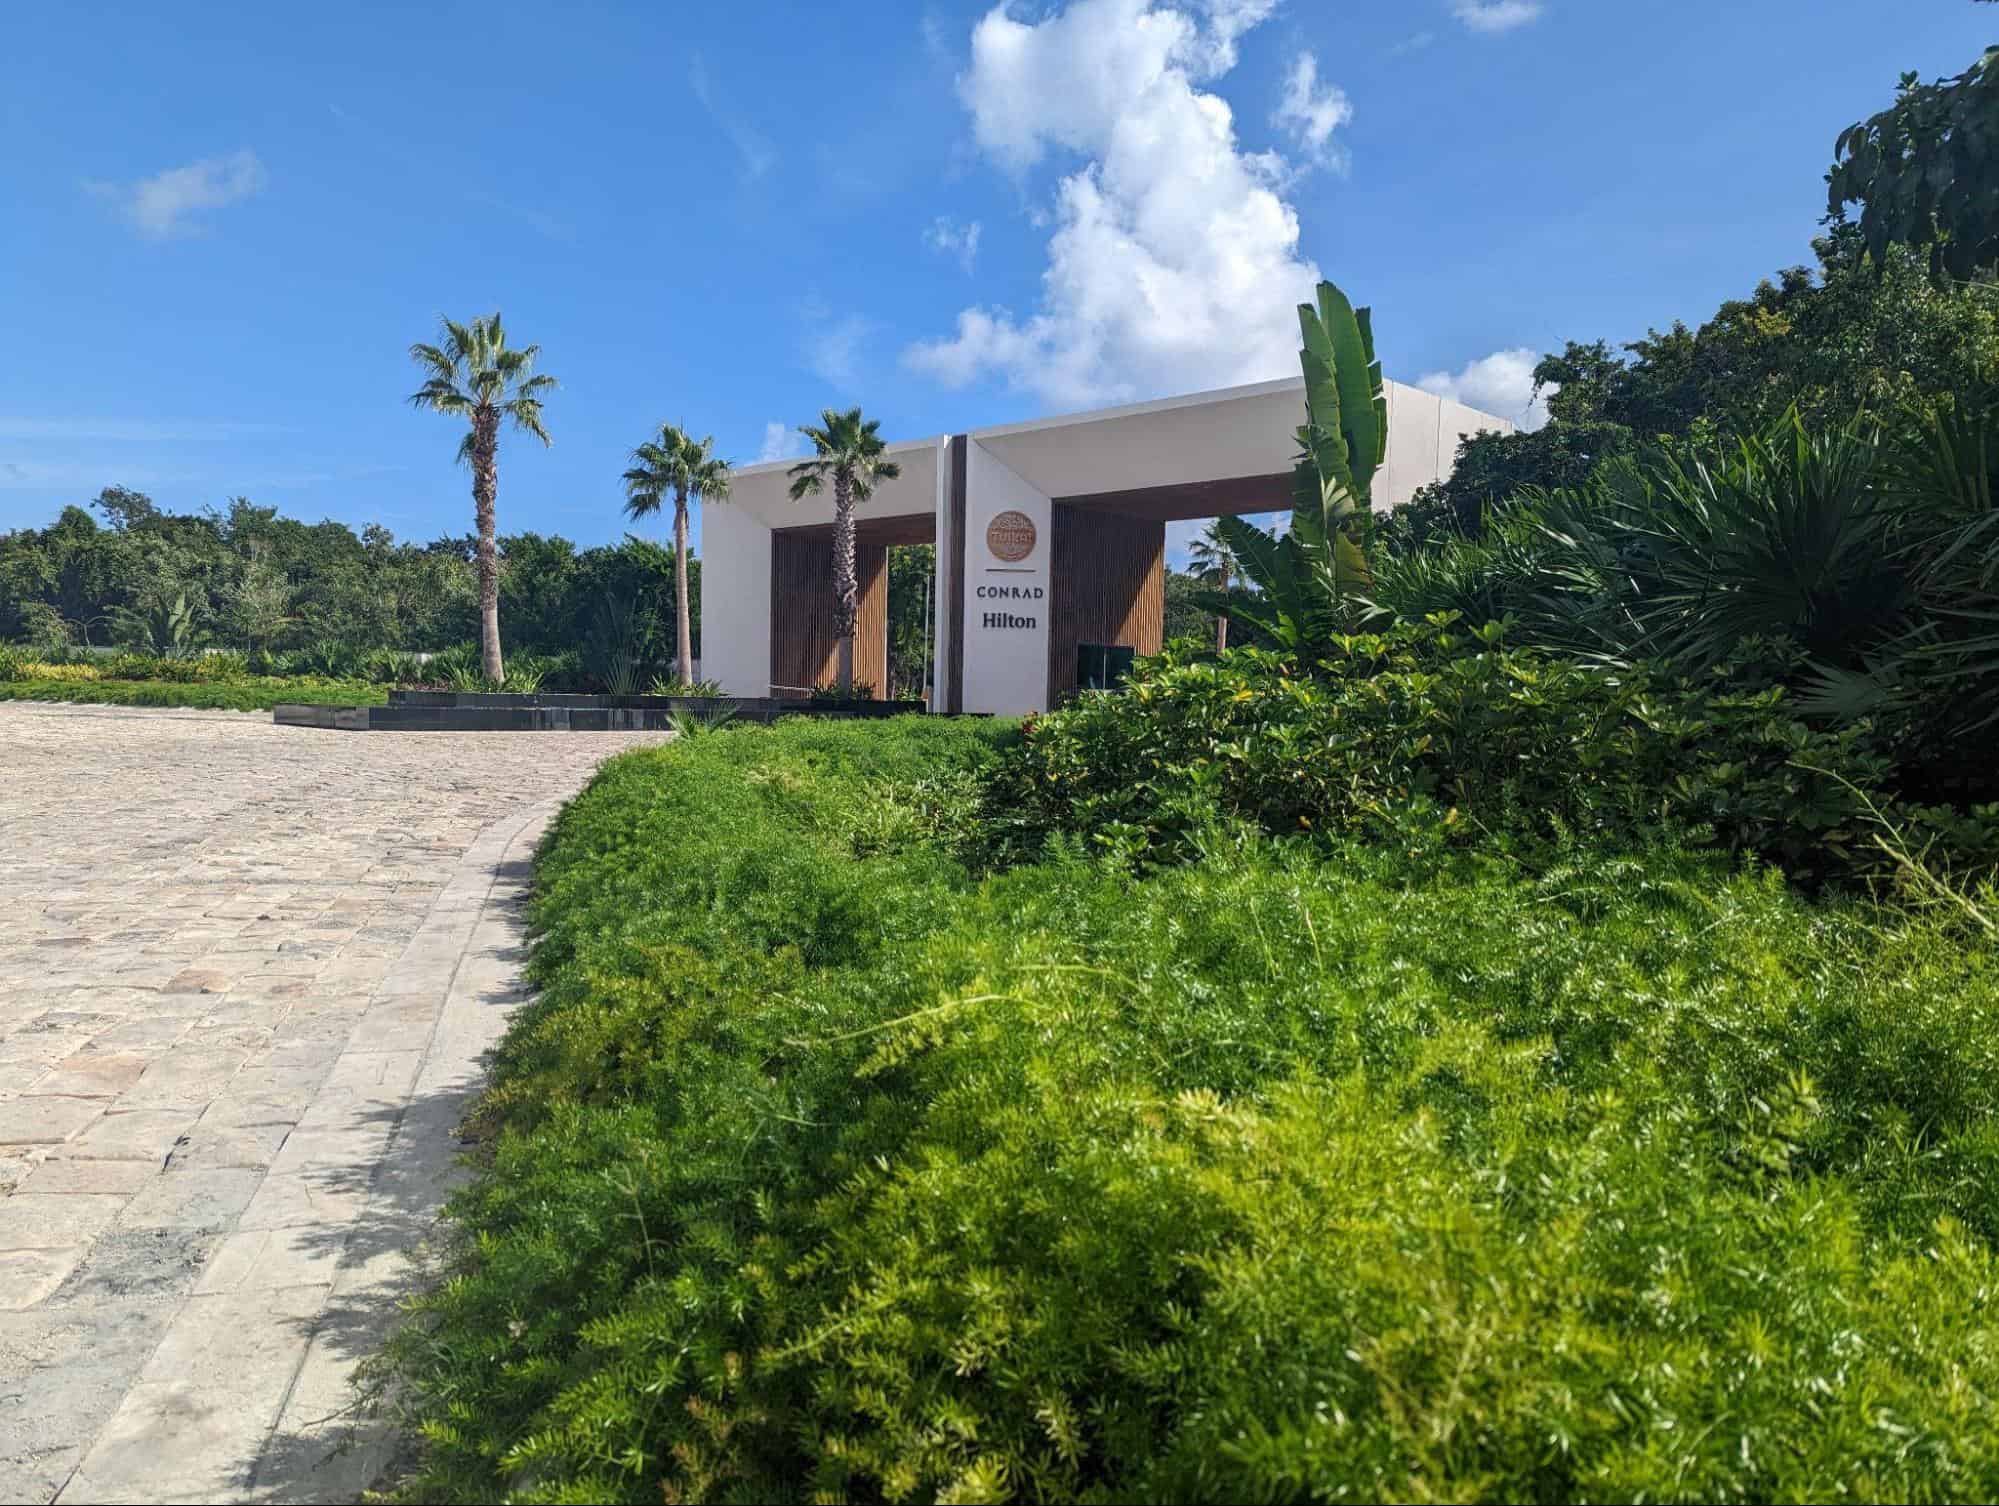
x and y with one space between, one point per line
1005 619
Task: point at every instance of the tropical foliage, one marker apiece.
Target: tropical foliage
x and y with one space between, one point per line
1926 170
912 573
1863 572
1213 560
1847 334
281 591
474 375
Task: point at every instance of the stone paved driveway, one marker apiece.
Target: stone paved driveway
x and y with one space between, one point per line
247 974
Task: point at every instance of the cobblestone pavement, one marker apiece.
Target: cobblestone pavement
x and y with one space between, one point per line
247 976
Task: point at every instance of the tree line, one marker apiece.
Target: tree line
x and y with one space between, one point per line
129 573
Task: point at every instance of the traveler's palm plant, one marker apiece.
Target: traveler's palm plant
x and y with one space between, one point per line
473 374
676 465
851 454
1309 579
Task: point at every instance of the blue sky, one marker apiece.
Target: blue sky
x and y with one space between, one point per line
225 223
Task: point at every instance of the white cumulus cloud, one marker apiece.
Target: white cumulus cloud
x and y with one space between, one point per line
1496 15
1501 384
953 239
1173 264
164 205
1311 111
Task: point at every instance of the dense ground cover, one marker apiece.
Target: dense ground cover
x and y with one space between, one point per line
827 1165
251 693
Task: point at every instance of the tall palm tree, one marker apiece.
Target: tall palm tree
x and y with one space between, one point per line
1214 561
473 375
850 450
680 466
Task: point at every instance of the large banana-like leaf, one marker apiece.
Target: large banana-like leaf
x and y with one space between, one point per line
1309 580
1349 565
1345 437
1359 379
1260 554
1323 439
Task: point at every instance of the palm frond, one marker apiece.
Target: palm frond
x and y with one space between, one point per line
526 415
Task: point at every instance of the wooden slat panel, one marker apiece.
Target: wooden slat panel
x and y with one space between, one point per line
803 650
871 623
801 609
1107 581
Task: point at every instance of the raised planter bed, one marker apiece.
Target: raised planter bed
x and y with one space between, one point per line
474 711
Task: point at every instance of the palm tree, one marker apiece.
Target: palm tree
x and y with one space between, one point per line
850 450
676 465
1214 561
471 374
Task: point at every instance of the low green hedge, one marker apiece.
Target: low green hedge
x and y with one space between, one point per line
232 695
1431 737
825 1168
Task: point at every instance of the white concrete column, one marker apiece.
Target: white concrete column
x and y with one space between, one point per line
735 600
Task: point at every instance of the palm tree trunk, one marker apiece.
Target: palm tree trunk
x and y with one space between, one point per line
846 579
485 491
685 639
1221 621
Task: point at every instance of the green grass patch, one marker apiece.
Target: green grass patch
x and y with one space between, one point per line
825 1167
229 695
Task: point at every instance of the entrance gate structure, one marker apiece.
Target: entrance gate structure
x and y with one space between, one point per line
1050 535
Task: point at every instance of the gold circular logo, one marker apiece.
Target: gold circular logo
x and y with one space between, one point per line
1010 537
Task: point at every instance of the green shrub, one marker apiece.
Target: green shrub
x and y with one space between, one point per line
687 689
390 666
861 690
563 671
331 659
126 665
24 670
251 694
447 664
823 1169
1431 737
